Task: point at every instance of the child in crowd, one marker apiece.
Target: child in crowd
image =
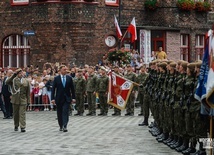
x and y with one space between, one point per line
36 95
44 94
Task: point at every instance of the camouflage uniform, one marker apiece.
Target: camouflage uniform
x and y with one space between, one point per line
102 89
91 97
80 87
130 103
142 79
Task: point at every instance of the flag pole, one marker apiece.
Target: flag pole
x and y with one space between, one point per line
211 133
123 36
119 19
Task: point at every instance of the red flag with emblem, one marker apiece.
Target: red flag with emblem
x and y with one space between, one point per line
119 90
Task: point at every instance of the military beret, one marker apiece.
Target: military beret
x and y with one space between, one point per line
198 63
103 68
173 64
169 61
179 62
18 70
184 64
191 66
162 64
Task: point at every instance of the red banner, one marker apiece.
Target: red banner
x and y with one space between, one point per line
119 91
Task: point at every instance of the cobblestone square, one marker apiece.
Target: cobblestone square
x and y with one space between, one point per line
87 135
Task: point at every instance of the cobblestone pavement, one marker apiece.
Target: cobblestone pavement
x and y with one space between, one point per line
87 135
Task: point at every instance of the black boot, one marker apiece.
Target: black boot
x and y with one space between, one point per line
175 138
184 146
145 122
169 139
164 137
177 144
191 149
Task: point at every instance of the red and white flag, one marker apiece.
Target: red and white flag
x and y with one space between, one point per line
118 31
119 90
132 29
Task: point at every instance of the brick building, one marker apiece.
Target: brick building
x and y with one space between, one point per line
74 31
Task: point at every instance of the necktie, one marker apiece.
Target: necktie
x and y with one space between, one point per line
63 80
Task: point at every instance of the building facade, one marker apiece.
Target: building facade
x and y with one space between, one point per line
74 31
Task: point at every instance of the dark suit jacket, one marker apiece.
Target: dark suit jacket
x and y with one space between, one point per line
5 90
62 94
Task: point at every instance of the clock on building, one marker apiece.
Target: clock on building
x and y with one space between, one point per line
111 41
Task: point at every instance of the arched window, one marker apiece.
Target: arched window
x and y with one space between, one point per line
15 52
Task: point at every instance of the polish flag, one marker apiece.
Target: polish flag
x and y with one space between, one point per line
132 29
119 33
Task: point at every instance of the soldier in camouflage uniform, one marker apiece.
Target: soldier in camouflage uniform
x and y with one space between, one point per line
91 91
185 103
80 87
188 97
117 112
178 106
142 80
160 105
199 122
102 90
174 103
130 103
169 113
155 73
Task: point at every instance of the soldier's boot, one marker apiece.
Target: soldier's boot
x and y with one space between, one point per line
157 132
164 137
175 139
160 136
169 139
184 146
145 122
177 144
191 149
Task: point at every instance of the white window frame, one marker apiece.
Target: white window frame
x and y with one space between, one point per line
17 47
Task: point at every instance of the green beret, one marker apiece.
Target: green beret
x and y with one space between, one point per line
173 64
162 64
191 66
198 63
184 64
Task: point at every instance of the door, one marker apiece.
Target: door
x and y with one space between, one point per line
158 40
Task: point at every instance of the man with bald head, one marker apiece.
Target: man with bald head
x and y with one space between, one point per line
6 95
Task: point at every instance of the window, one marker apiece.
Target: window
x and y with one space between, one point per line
127 40
199 47
15 52
184 47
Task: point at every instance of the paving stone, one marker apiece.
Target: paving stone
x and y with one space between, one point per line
87 135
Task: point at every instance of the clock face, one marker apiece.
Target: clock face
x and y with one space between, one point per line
110 41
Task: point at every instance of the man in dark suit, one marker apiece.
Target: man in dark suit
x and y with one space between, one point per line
62 95
6 95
